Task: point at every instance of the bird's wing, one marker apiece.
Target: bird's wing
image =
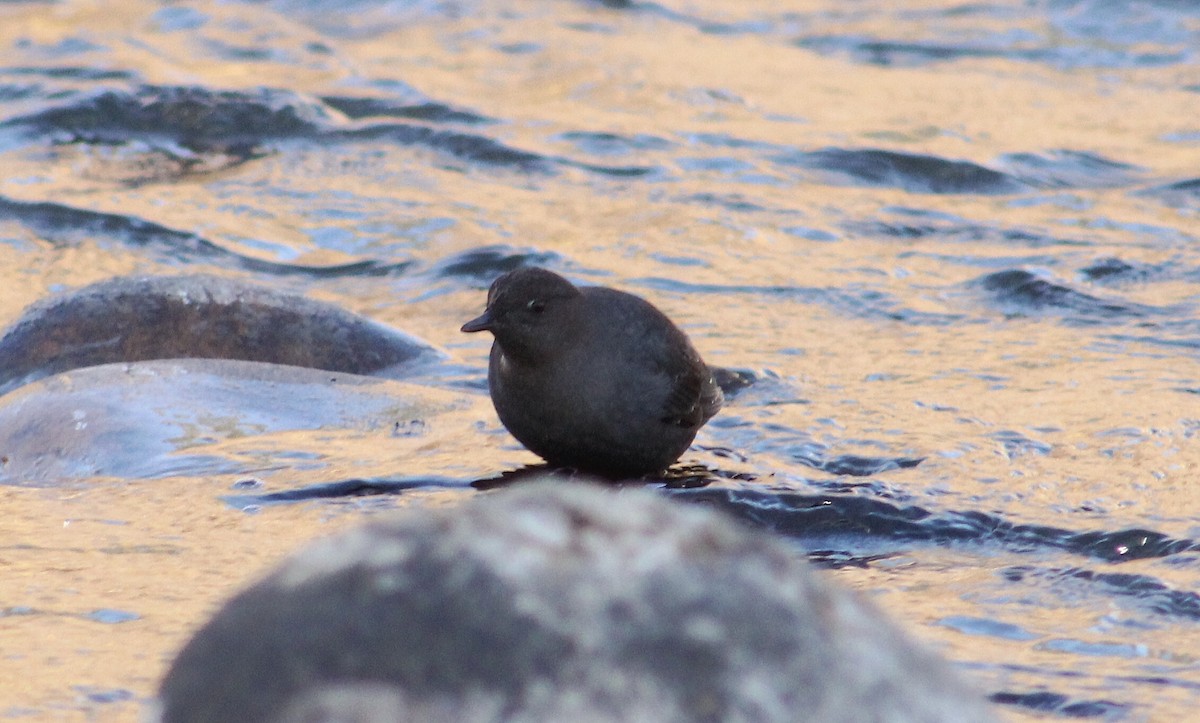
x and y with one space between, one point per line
693 398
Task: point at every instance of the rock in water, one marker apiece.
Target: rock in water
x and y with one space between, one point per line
556 602
198 317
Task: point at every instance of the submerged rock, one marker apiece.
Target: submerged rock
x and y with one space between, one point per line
198 417
198 316
555 603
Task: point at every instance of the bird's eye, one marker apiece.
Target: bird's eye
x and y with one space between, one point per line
537 306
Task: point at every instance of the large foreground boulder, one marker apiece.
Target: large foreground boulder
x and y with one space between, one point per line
556 603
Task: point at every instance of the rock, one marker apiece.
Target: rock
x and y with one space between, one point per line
198 316
556 602
196 417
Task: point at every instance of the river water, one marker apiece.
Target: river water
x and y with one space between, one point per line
954 248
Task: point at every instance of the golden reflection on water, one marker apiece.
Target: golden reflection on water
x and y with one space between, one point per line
169 550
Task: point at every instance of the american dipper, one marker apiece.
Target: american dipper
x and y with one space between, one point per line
591 377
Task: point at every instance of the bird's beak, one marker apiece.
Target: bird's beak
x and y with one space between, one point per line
483 322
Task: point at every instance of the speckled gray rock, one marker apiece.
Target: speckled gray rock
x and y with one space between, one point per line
556 602
198 316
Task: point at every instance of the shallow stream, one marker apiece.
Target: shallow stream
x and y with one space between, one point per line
953 247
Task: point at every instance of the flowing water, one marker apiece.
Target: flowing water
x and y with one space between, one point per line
953 248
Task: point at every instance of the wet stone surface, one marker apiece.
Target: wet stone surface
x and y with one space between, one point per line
556 601
198 317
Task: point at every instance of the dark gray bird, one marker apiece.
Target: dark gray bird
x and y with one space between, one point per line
591 377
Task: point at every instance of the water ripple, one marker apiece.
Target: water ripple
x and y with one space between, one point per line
805 516
61 224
